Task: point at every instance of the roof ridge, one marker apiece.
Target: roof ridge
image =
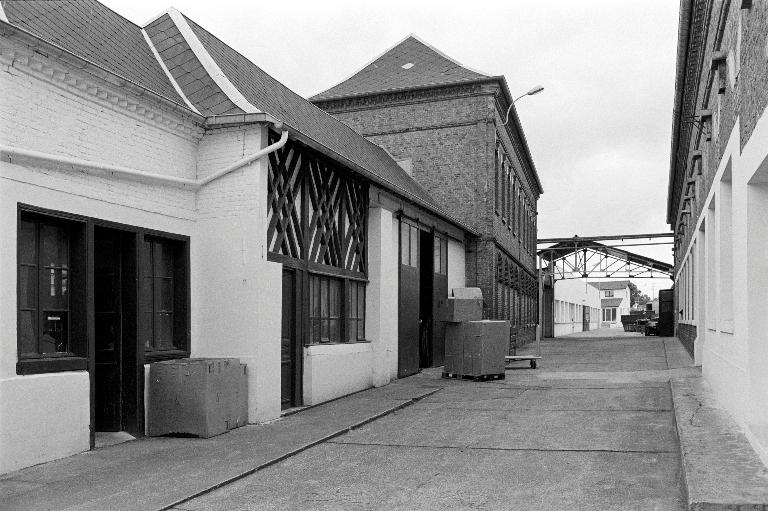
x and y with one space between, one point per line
398 43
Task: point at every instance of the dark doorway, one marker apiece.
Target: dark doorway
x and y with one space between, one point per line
115 380
290 349
586 318
548 307
409 310
666 313
426 298
439 297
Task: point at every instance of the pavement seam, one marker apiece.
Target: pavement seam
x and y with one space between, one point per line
512 449
294 452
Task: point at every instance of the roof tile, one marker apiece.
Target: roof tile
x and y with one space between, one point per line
429 67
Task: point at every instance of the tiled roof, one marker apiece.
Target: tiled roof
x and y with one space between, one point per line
410 63
95 33
274 98
611 302
616 284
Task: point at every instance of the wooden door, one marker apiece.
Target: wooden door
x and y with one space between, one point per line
289 388
109 332
408 340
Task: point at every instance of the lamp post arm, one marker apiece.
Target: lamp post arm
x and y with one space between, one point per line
506 118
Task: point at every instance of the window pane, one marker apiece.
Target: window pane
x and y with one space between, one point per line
335 330
146 331
147 300
352 330
54 289
414 246
324 336
314 331
162 258
405 249
352 301
361 301
27 287
54 242
335 298
27 335
444 257
27 249
436 262
163 331
54 338
361 329
165 294
314 296
324 298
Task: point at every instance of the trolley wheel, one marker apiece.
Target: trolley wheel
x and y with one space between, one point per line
533 364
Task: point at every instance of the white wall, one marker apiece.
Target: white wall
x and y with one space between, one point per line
730 282
574 292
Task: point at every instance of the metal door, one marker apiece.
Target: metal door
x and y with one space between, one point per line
408 340
666 313
585 324
109 335
289 348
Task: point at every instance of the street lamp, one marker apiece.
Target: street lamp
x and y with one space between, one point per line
531 92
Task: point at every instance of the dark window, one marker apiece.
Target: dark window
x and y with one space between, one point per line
514 206
409 244
163 295
441 255
356 311
44 280
50 291
328 321
504 189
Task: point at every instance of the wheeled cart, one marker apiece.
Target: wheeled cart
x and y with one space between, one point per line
514 357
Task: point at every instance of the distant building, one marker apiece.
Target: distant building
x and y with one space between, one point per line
718 202
445 123
576 307
614 302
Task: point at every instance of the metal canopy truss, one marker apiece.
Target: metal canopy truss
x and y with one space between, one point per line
575 258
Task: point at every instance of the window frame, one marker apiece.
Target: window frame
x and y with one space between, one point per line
181 295
81 361
76 358
345 316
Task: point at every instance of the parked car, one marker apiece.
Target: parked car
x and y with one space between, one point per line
652 327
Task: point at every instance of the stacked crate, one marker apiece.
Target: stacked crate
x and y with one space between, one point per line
200 397
474 348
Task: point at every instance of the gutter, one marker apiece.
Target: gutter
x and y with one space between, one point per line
686 7
66 163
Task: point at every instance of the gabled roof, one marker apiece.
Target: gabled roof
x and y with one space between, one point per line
615 284
270 96
94 32
408 64
611 302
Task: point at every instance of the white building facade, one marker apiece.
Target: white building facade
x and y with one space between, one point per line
176 212
614 302
717 204
576 308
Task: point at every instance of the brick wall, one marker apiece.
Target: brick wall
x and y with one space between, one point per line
745 101
687 335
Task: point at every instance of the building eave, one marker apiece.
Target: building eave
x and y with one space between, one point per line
683 37
57 52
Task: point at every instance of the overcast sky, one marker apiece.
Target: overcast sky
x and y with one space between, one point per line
599 133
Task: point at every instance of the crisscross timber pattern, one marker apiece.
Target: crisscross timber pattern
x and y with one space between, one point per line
515 292
318 212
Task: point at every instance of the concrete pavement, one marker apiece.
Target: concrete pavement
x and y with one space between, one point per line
591 429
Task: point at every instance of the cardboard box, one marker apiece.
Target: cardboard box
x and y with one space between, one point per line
476 348
463 309
199 397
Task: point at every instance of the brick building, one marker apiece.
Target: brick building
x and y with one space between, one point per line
163 197
444 123
718 202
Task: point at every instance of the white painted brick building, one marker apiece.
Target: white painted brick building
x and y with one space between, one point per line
117 253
